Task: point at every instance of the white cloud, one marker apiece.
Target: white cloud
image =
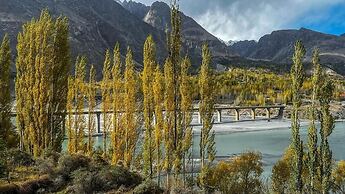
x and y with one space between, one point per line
251 19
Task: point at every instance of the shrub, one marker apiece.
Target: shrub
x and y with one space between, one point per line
148 187
102 179
17 158
116 176
84 181
240 175
45 166
69 163
281 173
51 154
339 177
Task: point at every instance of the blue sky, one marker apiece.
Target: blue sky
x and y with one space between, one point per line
251 19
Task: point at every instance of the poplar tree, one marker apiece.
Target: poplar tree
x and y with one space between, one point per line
327 126
60 71
130 125
91 96
158 96
69 124
43 54
174 48
206 109
6 132
186 111
79 101
297 76
169 106
117 132
312 161
147 84
106 99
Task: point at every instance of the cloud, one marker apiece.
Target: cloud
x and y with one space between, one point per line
251 19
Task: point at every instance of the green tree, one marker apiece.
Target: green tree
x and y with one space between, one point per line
206 109
312 161
297 76
6 132
327 126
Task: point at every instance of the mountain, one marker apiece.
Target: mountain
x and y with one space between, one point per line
193 35
278 47
97 25
138 9
94 26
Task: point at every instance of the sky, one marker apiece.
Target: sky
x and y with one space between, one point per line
251 19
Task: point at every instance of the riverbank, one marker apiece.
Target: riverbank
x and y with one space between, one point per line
249 126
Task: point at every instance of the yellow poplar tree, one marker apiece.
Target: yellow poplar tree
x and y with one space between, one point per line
147 82
130 125
79 101
117 132
43 54
106 99
158 96
206 108
91 96
6 133
169 106
70 120
186 110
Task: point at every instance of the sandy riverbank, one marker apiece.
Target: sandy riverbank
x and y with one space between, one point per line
248 126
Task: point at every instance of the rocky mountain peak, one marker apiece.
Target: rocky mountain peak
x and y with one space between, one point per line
158 15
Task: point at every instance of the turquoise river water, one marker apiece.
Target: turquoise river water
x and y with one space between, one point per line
271 143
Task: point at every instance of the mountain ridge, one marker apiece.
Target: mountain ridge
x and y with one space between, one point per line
278 47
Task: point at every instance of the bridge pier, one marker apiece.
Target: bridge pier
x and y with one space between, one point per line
219 115
281 113
98 115
253 113
199 118
154 119
268 113
237 114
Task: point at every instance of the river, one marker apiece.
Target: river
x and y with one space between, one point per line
269 138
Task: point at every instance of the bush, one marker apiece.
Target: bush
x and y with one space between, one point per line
116 176
69 163
84 181
339 177
98 160
17 158
148 187
45 166
51 154
102 179
240 175
280 177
